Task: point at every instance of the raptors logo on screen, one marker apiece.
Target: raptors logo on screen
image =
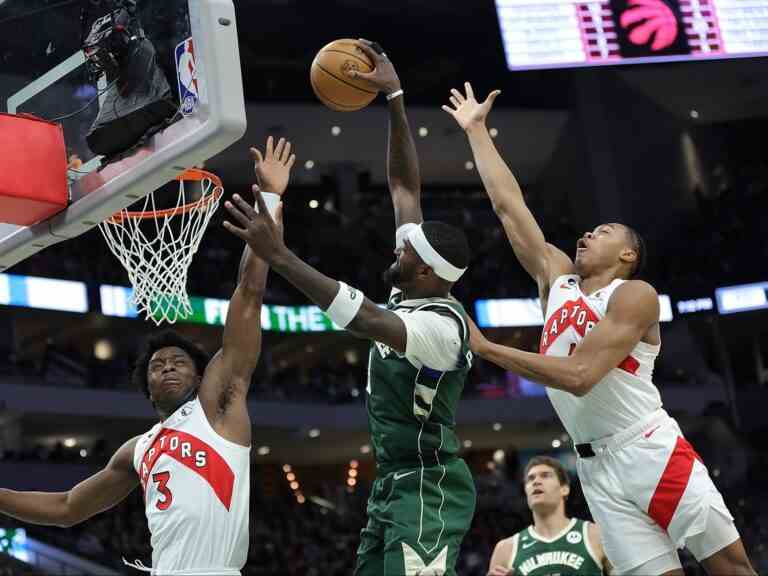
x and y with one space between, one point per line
545 34
649 21
649 28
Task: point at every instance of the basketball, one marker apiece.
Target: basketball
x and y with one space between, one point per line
329 79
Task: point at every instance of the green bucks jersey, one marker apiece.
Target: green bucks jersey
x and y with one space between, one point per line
566 554
412 410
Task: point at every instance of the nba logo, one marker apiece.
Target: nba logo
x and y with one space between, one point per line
186 73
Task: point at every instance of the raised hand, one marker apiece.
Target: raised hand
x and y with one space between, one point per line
467 111
263 234
383 76
273 169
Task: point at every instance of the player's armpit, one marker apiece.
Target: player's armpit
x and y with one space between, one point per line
632 310
224 388
559 262
223 395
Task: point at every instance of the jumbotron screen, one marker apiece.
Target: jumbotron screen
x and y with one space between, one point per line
568 33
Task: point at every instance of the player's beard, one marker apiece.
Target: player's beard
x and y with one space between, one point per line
394 274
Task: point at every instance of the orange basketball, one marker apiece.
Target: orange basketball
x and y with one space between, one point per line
332 86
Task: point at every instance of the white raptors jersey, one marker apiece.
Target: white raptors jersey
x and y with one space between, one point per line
625 395
196 493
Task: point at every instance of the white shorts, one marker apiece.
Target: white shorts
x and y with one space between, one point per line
650 493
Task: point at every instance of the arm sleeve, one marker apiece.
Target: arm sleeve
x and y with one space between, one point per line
432 340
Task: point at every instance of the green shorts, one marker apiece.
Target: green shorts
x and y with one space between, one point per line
417 518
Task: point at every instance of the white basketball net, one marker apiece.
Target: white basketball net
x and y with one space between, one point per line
157 250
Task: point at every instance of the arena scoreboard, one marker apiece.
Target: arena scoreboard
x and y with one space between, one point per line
567 33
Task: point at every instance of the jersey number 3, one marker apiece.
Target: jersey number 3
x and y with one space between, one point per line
161 478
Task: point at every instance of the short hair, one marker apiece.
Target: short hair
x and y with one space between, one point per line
638 245
165 339
554 463
448 241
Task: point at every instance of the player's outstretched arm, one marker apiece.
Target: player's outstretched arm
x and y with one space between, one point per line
632 310
541 260
100 492
225 385
348 307
402 161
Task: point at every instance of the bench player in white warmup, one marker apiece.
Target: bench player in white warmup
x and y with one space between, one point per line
644 483
193 466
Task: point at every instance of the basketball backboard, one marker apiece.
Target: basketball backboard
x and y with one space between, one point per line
43 72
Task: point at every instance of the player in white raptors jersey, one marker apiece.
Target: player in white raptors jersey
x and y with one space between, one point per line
193 466
644 483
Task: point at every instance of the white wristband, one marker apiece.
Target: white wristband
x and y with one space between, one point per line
272 200
346 305
395 94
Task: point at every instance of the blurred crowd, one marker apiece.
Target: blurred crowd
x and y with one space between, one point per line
337 378
723 241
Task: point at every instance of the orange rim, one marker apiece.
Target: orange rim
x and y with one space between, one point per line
189 175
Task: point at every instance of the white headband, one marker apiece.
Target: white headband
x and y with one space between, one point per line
440 265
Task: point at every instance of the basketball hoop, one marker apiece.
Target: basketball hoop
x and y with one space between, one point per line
157 255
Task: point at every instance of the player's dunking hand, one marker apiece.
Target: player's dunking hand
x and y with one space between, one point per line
467 111
273 169
263 234
383 76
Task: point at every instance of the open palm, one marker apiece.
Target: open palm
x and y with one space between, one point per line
273 169
466 110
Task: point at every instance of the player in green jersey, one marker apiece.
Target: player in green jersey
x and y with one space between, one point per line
423 498
554 545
